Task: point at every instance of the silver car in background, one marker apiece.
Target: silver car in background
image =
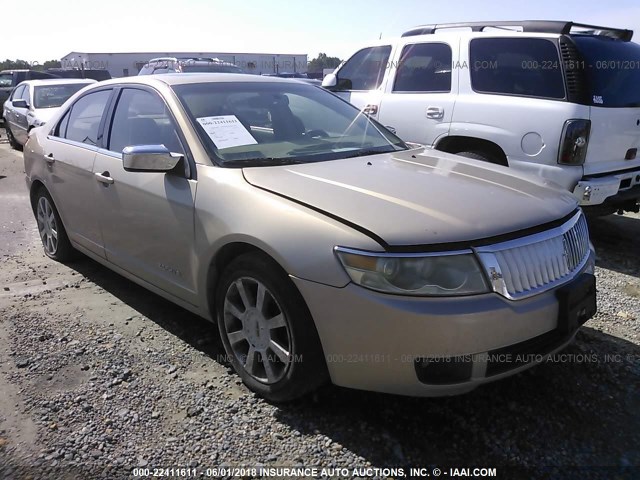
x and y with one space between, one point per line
33 102
323 246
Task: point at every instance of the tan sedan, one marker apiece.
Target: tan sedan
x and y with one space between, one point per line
324 247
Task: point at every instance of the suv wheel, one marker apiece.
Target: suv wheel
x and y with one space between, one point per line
267 331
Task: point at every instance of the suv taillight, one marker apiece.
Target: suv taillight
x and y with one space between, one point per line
575 139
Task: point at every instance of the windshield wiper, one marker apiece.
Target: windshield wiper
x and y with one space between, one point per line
365 153
260 162
324 147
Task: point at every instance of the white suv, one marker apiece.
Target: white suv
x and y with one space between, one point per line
555 99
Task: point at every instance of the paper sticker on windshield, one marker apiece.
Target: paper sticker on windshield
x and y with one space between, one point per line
226 131
598 100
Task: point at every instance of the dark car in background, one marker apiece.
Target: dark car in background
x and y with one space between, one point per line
92 74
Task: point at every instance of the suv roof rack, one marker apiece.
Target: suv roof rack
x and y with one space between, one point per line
163 59
534 26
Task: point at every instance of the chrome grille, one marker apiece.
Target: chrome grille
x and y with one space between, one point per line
532 264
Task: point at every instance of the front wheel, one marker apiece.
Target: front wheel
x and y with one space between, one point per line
267 330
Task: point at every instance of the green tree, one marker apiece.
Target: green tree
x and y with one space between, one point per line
52 64
317 65
14 64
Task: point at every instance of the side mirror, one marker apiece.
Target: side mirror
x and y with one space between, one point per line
330 81
20 104
149 158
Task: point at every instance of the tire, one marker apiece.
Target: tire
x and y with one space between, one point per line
12 140
54 237
478 156
274 348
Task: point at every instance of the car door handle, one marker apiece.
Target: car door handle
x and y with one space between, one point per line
50 158
435 112
104 178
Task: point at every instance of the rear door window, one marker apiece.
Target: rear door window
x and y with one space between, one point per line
365 70
85 117
516 66
424 67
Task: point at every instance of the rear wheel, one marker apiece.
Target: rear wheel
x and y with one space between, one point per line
267 331
52 233
12 140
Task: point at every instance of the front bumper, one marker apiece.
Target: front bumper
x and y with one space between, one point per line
611 189
378 342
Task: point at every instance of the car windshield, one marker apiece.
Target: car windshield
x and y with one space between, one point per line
211 68
613 70
262 124
50 96
5 79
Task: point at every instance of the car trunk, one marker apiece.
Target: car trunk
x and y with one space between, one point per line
611 72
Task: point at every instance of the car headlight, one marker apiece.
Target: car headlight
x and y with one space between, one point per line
445 274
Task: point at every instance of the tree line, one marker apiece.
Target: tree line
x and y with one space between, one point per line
24 64
316 65
322 61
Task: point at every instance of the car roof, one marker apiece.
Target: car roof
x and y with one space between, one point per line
57 81
186 78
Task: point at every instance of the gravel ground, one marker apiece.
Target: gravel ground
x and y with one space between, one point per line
98 376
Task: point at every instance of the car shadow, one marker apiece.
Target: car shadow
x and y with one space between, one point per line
614 238
192 329
581 408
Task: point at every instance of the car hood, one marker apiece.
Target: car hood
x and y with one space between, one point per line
419 197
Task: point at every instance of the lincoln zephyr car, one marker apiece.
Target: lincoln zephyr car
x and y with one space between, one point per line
323 246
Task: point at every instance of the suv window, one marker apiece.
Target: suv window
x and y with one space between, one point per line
612 70
85 116
365 70
424 67
142 118
516 66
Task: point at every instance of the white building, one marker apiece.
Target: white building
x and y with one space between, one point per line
129 64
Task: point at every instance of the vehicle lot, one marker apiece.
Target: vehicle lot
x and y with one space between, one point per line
98 375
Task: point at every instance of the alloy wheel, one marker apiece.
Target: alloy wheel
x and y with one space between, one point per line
47 226
257 329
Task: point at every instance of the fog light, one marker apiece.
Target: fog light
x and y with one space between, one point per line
586 196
